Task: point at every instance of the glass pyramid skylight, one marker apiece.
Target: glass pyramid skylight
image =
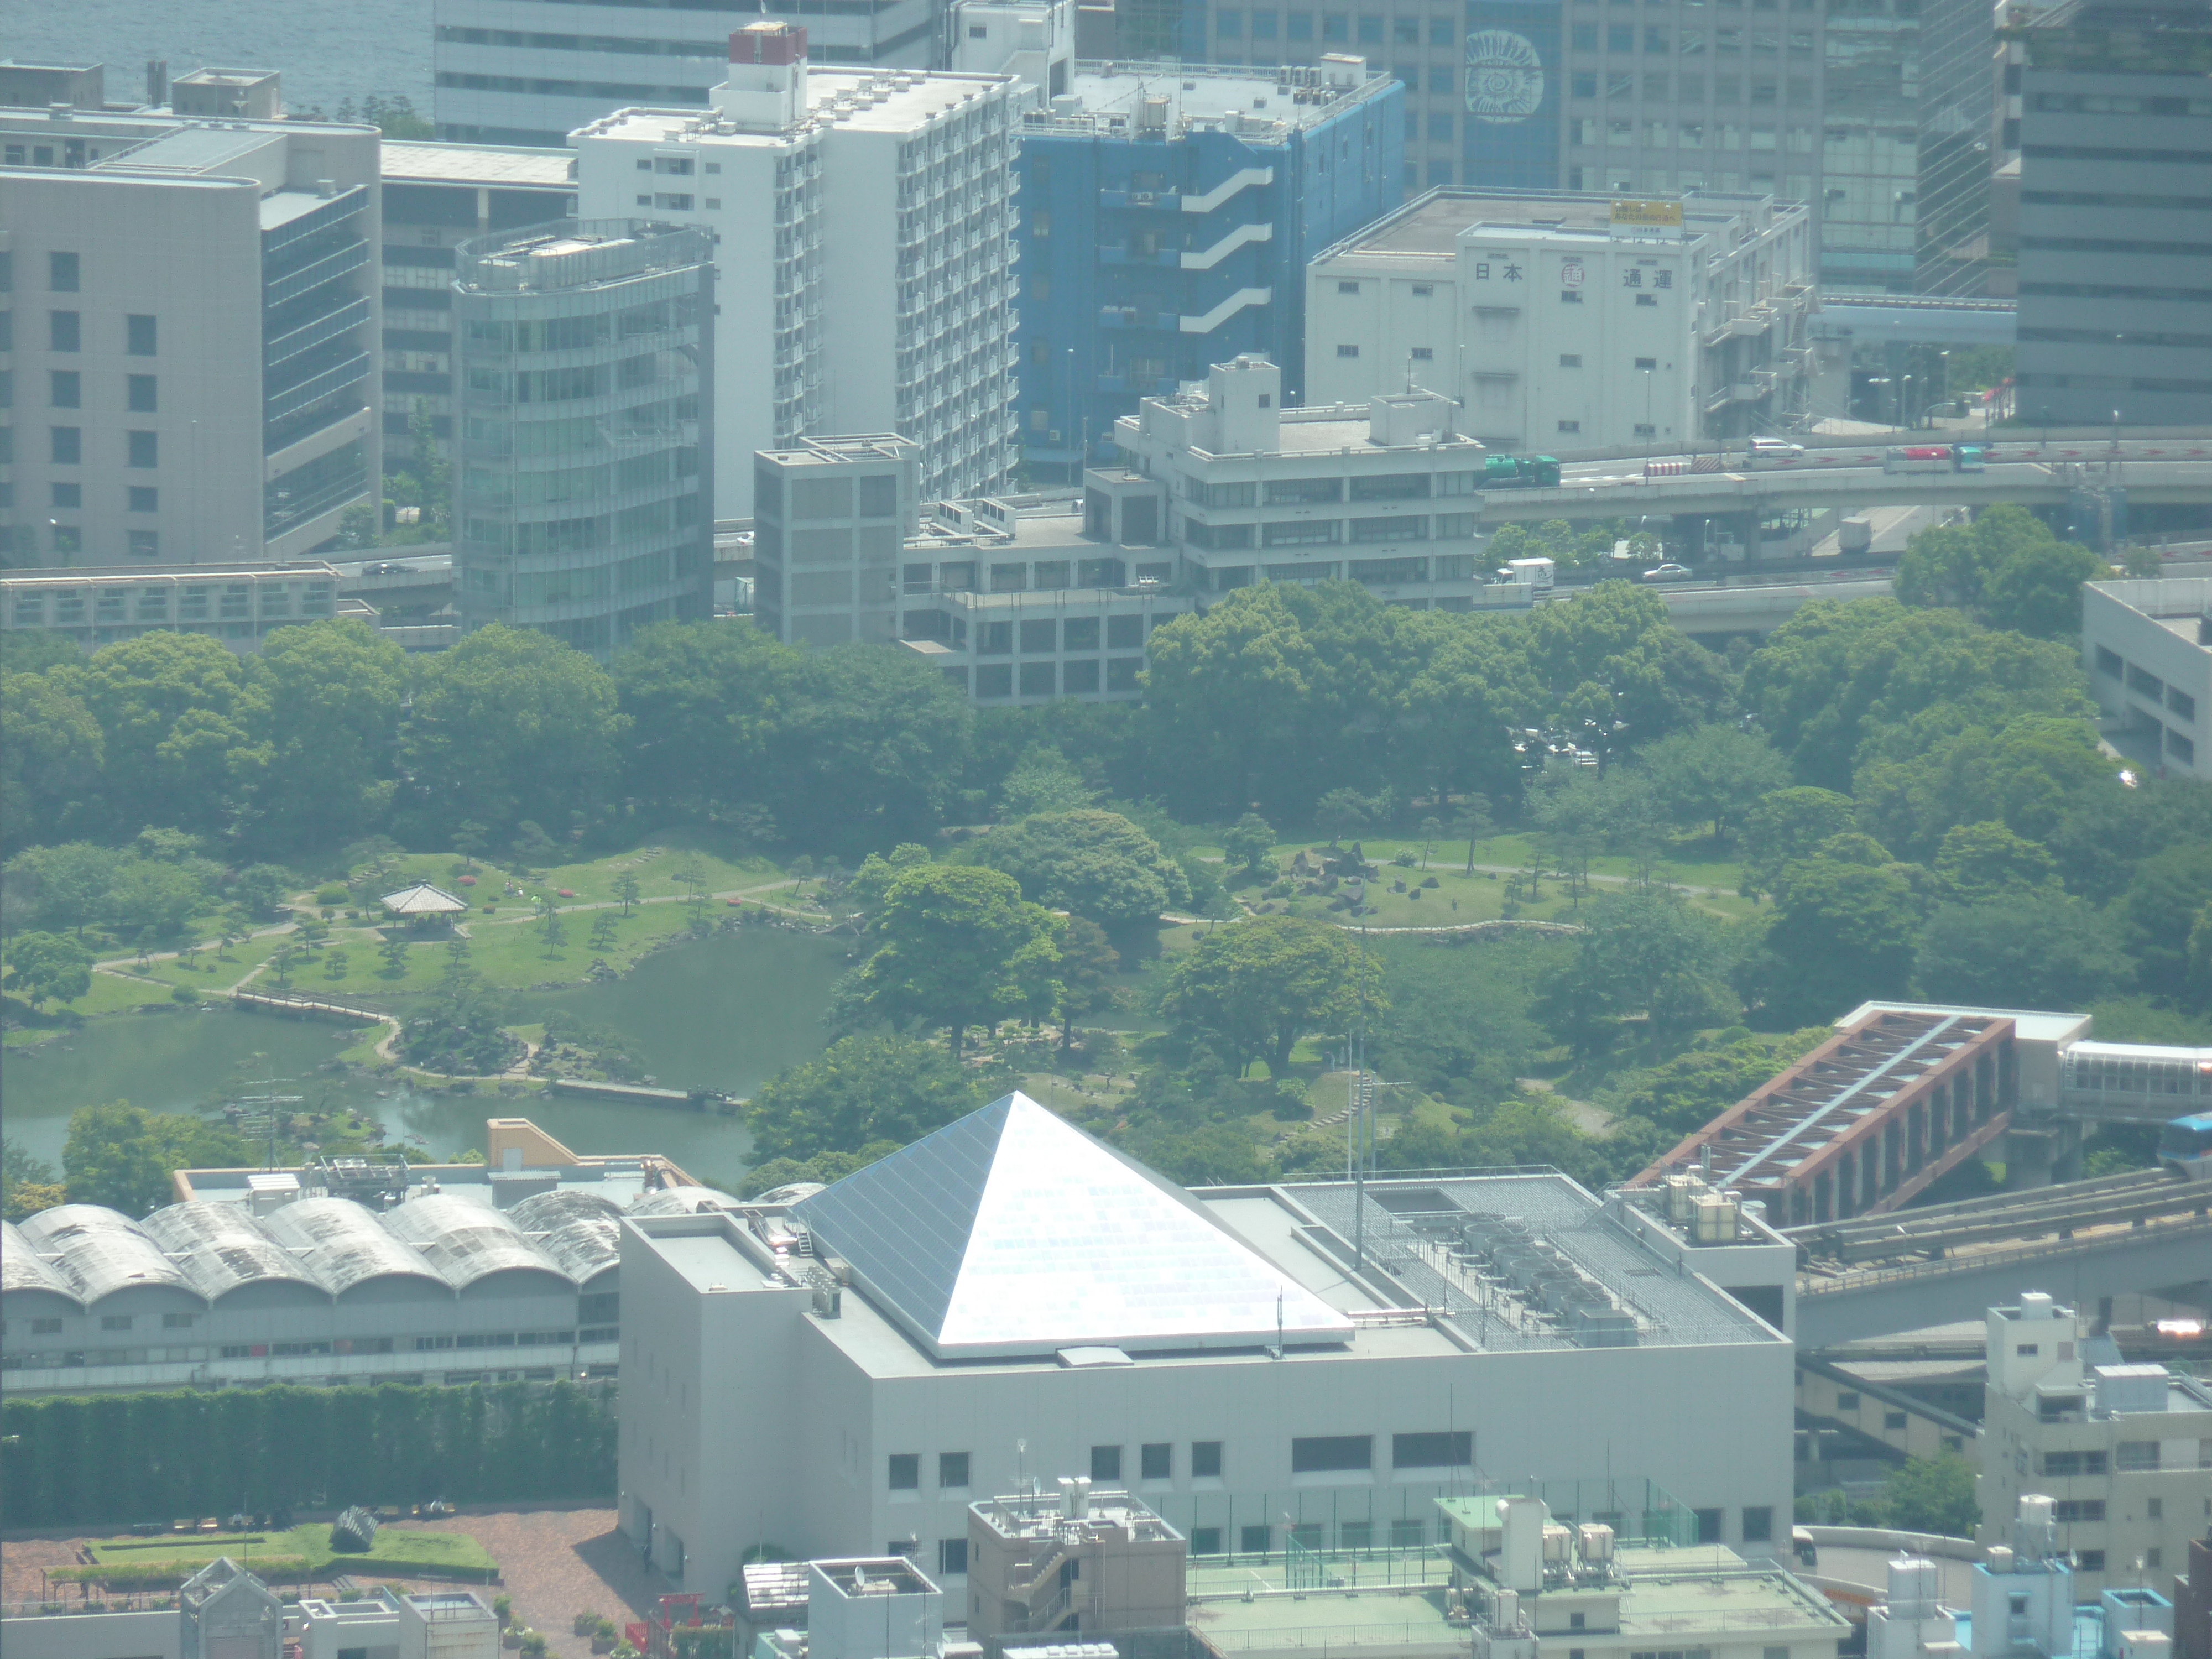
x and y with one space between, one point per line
1012 1231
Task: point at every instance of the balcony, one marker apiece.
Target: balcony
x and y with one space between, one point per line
1166 200
1130 317
1122 254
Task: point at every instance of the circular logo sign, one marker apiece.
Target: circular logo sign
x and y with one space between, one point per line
1504 76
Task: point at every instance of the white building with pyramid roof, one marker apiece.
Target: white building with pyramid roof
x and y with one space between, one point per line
1009 1300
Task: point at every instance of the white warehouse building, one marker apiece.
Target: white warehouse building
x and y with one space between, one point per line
864 256
1565 322
844 1369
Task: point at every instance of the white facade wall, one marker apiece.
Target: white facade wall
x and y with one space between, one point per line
2140 646
802 1414
1568 337
865 261
148 1635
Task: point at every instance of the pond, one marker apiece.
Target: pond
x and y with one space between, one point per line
724 1012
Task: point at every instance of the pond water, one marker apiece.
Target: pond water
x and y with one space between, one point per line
723 1013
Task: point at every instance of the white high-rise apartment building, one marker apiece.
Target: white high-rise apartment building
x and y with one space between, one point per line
1566 322
864 223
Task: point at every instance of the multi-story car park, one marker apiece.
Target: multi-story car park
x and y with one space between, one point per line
334 1273
883 199
1008 1300
1565 322
192 331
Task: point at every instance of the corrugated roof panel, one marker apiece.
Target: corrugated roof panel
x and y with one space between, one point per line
20 1268
546 1212
342 1244
679 1201
100 1251
222 1247
466 1242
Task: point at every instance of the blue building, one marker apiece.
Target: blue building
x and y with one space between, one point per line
1167 215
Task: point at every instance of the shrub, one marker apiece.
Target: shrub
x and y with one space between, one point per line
184 993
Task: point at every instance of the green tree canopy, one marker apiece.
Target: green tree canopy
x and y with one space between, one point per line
1248 844
1256 987
123 1156
862 1089
1836 672
1641 953
167 706
47 967
1979 862
2007 568
1945 769
1712 775
320 704
510 724
1788 824
52 753
2020 948
1092 863
960 947
1932 1495
2158 911
1845 923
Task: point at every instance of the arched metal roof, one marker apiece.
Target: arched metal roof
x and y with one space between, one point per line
546 1212
100 1252
20 1268
341 1242
586 1247
679 1201
221 1247
466 1242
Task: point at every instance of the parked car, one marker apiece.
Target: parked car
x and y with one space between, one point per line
1669 572
1773 449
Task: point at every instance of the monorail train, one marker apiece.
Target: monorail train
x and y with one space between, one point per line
2185 1146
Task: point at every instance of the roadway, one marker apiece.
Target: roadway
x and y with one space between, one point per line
1852 476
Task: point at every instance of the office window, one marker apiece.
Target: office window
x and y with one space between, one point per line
1444 1451
1440 127
1848 1400
952 1468
62 272
2089 1560
1264 26
1647 362
67 444
1570 426
64 389
144 393
1106 1463
145 449
68 538
1229 25
63 331
1125 633
1583 83
1298 26
68 494
1370 31
1571 296
1424 354
1443 32
1347 288
951 1556
1206 1459
1571 360
1406 31
1647 300
1442 81
1709 1525
1082 676
1620 37
1206 1540
1155 1462
143 544
1254 1540
906 1471
1348 351
1328 1454
1892 1420
1584 37
1757 1525
115 1321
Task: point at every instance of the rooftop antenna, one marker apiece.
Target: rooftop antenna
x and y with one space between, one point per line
1276 1353
1021 1467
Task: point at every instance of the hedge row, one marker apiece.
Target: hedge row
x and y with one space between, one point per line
92 1460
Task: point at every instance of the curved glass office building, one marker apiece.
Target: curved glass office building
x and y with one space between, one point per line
583 495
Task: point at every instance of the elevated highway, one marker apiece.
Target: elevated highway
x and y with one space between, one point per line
1872 1275
1853 477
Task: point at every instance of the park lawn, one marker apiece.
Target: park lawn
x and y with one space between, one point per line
397 1549
1482 898
111 994
1687 861
656 868
514 953
211 974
